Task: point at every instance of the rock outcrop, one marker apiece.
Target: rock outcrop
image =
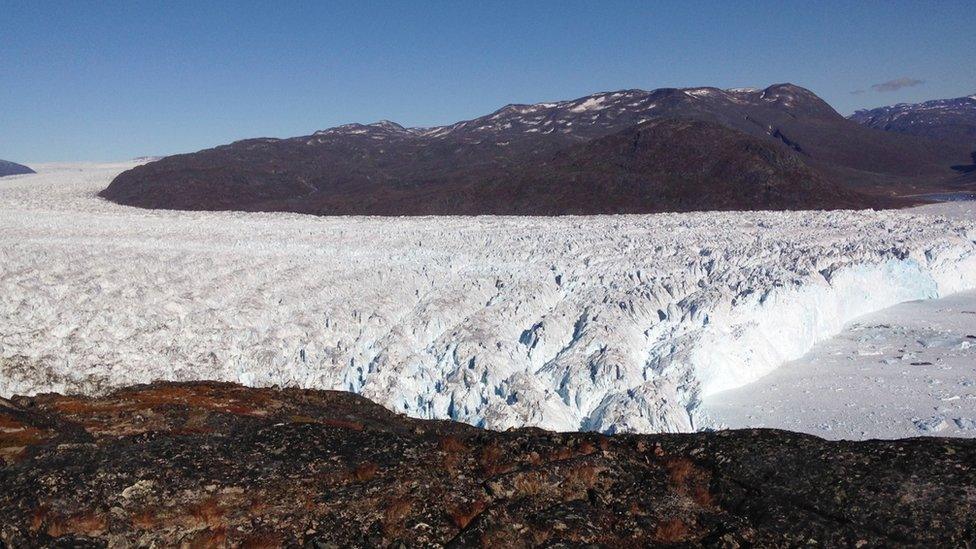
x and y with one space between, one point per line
207 464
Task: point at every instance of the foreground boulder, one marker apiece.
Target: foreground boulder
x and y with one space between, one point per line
207 464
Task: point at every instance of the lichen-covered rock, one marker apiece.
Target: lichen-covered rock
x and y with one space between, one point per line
208 464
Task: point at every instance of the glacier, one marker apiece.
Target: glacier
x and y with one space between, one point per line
608 323
905 371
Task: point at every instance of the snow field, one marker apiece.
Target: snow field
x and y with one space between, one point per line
905 371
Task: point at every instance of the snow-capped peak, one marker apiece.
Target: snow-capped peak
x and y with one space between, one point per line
581 118
388 125
703 92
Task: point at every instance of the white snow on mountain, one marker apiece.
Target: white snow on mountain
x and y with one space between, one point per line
702 92
612 323
589 104
596 110
956 106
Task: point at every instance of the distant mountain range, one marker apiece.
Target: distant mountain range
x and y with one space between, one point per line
12 168
946 119
627 151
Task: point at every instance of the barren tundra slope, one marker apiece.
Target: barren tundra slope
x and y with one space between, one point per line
607 323
778 148
213 465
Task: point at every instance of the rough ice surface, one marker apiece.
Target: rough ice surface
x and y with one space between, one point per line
611 323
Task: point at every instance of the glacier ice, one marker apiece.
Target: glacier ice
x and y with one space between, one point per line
609 323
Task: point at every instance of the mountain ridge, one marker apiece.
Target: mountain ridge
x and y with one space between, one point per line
212 464
945 119
340 170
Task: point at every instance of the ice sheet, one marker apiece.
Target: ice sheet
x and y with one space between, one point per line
613 323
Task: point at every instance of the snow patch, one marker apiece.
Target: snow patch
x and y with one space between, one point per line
590 104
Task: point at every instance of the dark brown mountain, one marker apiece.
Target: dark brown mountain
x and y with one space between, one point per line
515 161
12 168
220 465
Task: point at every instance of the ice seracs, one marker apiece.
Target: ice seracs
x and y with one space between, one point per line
611 323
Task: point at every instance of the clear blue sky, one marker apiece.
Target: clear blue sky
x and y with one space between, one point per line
106 80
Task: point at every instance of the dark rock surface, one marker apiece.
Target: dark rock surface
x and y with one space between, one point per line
208 464
513 161
12 168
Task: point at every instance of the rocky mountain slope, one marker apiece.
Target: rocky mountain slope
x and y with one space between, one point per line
513 161
11 168
213 465
644 168
946 119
